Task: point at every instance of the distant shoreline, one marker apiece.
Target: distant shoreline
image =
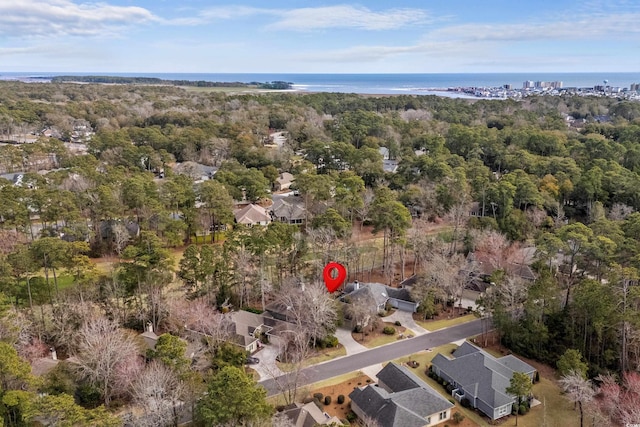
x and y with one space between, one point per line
450 85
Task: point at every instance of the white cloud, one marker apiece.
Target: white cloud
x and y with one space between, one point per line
319 18
477 42
580 28
345 16
27 18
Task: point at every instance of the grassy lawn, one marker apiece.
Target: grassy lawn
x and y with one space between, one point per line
324 356
381 340
555 410
441 324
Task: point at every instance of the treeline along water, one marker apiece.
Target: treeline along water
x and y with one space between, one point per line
369 83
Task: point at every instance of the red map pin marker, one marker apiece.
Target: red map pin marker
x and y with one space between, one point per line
332 283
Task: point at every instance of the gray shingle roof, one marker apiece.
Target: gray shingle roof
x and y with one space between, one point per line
252 214
398 378
372 291
407 406
515 364
291 208
481 374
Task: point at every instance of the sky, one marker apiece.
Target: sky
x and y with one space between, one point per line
295 36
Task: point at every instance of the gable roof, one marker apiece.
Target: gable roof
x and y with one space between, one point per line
410 403
251 214
285 178
195 170
398 378
376 293
480 374
309 415
290 208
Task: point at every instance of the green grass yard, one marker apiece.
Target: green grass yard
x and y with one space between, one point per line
445 323
324 356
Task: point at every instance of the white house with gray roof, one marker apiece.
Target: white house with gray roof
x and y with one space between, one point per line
400 399
481 378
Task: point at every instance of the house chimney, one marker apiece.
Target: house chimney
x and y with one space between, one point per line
52 352
149 327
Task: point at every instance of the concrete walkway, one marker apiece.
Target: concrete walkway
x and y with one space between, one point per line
406 319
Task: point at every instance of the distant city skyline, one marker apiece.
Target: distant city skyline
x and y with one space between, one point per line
283 36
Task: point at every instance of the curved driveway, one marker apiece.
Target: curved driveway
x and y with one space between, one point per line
381 354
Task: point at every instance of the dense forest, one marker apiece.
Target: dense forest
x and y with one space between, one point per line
557 174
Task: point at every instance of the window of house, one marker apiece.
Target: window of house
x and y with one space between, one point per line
443 415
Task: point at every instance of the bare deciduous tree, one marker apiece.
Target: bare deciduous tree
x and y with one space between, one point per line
294 349
160 392
104 350
280 419
620 211
578 390
121 237
311 309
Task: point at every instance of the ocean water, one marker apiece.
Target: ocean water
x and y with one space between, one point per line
415 84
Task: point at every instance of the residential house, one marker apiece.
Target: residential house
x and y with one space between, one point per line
481 378
284 181
400 399
379 295
197 171
252 215
289 210
309 415
248 327
149 337
475 209
390 166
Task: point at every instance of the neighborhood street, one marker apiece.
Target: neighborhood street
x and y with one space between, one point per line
381 354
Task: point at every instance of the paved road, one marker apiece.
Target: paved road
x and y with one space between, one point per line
382 354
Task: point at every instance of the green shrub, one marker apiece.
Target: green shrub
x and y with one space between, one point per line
329 341
351 416
465 403
340 399
357 329
307 400
318 396
327 400
523 409
536 377
389 330
397 323
458 417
